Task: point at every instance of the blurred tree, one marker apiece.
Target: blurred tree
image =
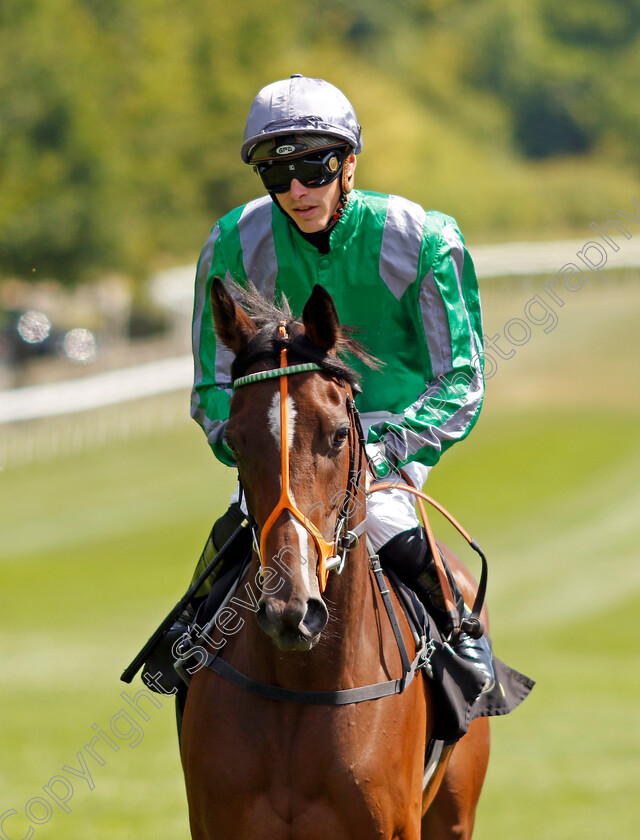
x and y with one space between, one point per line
554 65
53 156
121 120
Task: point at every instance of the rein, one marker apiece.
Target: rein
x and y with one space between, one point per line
472 624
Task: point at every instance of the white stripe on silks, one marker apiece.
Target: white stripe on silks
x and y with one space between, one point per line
457 258
258 248
213 427
204 266
435 325
401 244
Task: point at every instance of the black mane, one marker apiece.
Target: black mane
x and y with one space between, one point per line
267 343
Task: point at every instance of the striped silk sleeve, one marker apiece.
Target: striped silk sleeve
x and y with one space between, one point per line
447 409
240 247
211 390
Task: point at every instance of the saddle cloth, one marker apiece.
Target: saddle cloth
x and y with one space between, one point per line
456 683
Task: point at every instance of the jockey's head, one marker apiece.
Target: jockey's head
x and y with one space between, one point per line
302 137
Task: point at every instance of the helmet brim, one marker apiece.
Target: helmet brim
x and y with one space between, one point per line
296 128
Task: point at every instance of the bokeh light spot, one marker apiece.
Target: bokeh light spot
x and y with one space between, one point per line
34 327
79 345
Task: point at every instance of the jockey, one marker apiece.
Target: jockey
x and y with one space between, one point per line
399 273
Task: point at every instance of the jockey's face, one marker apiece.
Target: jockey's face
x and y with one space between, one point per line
311 208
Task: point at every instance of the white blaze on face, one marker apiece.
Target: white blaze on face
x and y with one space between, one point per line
303 543
273 417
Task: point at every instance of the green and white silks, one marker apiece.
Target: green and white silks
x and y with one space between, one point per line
400 274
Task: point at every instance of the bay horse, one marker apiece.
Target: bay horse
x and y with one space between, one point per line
258 768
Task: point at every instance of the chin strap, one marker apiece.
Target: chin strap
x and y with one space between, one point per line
340 208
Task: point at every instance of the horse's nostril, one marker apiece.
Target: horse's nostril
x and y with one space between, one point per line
293 615
316 616
300 618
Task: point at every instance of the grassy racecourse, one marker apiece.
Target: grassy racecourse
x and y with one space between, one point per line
95 548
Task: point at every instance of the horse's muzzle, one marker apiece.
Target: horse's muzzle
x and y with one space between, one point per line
295 625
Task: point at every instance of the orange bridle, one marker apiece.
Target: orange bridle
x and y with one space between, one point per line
328 557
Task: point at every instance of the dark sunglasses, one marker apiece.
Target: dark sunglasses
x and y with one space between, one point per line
313 170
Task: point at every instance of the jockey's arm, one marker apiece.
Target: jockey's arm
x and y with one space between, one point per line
447 409
211 391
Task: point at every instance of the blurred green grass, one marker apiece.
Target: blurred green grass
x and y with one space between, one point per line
97 547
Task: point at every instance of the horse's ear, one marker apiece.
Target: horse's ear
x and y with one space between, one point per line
320 319
233 326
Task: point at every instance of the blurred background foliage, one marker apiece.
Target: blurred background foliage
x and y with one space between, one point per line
121 120
120 127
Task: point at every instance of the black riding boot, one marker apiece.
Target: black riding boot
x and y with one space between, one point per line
158 673
408 554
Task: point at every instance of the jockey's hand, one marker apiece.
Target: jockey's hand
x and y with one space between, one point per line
378 462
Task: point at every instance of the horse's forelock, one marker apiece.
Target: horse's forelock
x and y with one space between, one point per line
267 343
264 312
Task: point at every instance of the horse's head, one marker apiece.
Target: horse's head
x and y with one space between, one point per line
294 441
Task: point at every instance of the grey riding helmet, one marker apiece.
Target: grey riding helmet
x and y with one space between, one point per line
300 106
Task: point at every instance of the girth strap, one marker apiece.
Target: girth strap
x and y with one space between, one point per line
340 697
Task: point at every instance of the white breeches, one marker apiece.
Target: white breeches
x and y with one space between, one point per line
392 511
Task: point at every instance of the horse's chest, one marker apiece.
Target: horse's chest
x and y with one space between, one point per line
316 777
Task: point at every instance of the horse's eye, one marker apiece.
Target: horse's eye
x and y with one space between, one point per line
231 445
340 436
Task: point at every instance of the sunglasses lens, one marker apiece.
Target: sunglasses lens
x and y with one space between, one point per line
312 171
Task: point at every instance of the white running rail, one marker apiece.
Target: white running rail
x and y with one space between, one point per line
96 391
174 288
